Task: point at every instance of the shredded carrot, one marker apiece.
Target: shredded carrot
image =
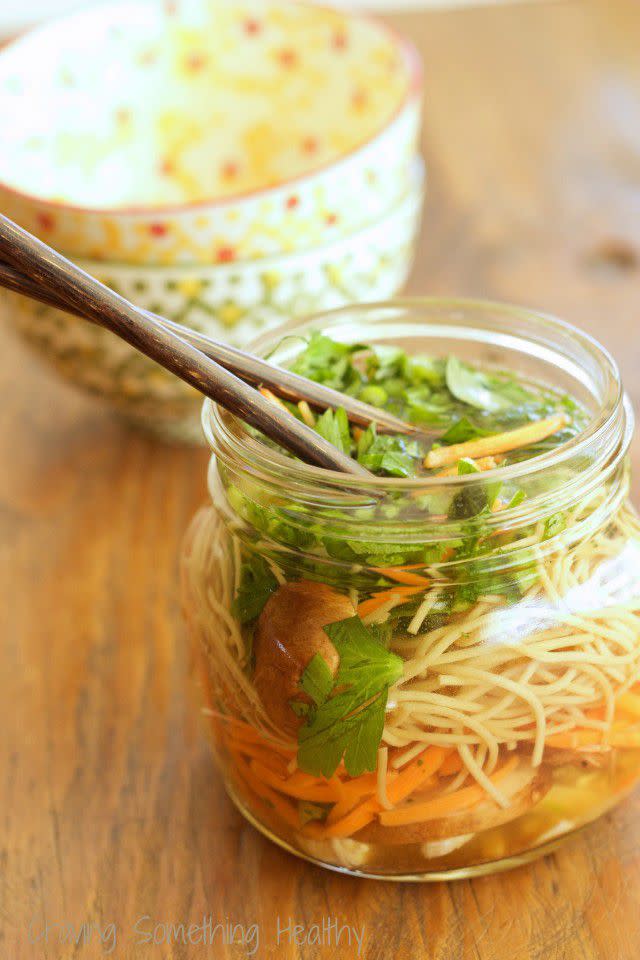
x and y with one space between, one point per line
318 792
416 773
353 821
498 443
301 779
483 464
280 804
306 413
379 599
629 702
358 787
244 732
272 397
402 575
620 735
443 805
451 765
353 791
274 761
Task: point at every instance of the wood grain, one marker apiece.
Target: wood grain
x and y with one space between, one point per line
109 803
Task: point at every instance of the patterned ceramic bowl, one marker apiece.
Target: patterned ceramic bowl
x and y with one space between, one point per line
231 302
203 131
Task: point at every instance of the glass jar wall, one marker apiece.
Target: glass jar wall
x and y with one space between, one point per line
424 678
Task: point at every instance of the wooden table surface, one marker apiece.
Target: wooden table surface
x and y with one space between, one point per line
110 807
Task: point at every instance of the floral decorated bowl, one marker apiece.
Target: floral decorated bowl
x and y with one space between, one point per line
202 131
230 302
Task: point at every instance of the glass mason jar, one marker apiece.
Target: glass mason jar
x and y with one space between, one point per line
514 717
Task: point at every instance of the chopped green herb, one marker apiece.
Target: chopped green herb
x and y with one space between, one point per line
554 525
347 723
257 583
317 679
461 431
465 465
308 811
333 425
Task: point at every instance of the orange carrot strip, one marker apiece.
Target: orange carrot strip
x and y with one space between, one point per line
498 443
306 413
629 702
373 603
451 765
320 792
620 735
283 807
399 785
416 773
274 761
441 806
268 395
403 576
629 739
301 780
244 731
354 821
353 791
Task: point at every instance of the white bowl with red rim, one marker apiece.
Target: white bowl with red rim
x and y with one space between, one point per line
199 131
230 302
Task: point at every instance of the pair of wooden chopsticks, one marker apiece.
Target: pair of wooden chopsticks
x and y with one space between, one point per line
221 372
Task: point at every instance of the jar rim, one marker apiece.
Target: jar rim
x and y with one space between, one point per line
608 431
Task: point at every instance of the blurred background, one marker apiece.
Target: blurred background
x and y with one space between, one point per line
15 14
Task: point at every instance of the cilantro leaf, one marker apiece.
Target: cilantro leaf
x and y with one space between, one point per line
348 723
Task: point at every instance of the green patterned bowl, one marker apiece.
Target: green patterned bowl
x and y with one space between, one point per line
231 302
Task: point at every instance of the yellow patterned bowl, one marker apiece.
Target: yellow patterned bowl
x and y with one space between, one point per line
231 302
203 131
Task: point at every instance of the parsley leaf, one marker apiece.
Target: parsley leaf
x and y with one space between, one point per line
348 722
390 455
333 425
327 361
257 583
466 465
491 393
472 386
461 431
317 680
554 525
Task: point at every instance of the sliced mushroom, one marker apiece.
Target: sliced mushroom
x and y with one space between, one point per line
289 633
524 786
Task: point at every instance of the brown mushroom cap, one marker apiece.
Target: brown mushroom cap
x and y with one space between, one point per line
289 633
525 786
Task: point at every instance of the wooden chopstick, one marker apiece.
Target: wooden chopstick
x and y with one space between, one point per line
283 383
65 281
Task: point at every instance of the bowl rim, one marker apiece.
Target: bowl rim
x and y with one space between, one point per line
412 198
412 95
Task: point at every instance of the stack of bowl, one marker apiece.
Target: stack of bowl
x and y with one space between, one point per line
229 166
